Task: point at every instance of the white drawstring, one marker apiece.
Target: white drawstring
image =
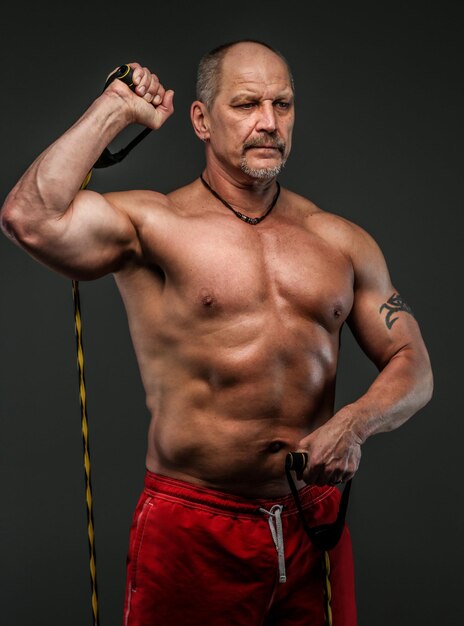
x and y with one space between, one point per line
275 525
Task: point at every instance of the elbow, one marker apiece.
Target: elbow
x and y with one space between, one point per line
428 386
424 389
17 223
10 218
422 375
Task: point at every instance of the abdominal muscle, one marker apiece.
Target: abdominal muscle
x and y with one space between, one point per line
238 362
245 457
228 423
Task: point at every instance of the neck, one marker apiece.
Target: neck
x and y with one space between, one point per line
249 219
245 194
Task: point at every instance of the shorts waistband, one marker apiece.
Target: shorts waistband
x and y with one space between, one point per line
175 489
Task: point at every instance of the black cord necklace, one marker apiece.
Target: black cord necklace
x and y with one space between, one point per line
249 220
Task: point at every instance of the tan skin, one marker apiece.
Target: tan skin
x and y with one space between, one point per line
235 327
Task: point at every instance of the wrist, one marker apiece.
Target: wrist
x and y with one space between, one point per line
352 420
115 111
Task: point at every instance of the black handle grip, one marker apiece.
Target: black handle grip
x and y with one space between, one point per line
107 158
124 73
296 461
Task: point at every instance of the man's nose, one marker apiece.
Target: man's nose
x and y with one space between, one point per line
267 118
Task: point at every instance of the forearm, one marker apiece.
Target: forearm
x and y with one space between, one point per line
47 188
402 388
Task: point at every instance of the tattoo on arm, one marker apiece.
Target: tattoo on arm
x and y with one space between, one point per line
394 304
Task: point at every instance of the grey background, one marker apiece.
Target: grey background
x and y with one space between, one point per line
378 140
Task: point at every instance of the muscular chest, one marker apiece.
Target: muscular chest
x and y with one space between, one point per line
219 271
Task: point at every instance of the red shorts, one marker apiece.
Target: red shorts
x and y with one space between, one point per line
200 557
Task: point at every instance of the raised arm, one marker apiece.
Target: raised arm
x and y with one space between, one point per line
82 234
386 330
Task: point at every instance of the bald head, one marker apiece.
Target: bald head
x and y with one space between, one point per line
229 58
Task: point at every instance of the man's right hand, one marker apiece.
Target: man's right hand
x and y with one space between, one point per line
150 104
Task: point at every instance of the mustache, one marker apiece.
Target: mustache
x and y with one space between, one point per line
259 142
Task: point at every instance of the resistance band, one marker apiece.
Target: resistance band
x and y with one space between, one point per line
324 536
106 159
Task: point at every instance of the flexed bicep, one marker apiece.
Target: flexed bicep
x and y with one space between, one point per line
93 238
76 232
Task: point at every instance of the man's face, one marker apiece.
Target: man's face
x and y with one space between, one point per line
252 117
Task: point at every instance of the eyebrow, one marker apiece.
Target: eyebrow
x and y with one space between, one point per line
250 95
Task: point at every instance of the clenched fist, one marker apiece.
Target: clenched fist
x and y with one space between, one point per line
150 103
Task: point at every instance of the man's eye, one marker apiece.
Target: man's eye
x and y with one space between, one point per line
246 105
283 105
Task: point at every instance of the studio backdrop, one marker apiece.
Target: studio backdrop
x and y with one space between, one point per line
378 140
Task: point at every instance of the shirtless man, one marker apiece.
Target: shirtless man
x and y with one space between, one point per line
236 329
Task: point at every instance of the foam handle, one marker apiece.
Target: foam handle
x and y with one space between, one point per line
296 461
124 73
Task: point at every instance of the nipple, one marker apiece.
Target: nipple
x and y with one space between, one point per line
206 298
337 309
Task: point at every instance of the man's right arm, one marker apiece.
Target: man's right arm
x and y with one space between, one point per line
80 233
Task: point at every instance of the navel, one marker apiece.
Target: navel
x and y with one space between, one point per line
275 446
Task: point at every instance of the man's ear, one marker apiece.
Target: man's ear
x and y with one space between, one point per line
200 120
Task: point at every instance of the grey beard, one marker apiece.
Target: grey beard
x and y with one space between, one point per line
262 173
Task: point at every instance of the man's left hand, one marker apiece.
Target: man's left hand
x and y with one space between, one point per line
334 453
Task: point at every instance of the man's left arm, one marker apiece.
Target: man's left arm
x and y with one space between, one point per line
385 328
